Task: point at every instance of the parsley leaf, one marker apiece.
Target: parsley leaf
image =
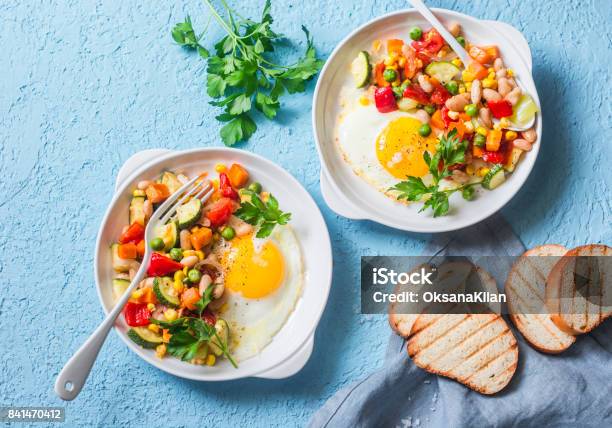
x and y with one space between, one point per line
262 214
450 151
205 299
240 73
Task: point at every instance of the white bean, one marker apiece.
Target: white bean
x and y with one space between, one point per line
205 281
498 64
530 135
501 73
185 238
491 94
519 143
189 261
458 102
454 28
422 115
241 227
218 290
460 177
424 83
514 96
476 92
142 185
147 209
453 115
503 87
484 114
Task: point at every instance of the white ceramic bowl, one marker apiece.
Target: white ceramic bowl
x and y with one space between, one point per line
349 195
292 346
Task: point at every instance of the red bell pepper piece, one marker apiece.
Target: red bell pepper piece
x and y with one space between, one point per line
209 317
439 95
134 233
493 157
414 92
385 99
136 314
220 212
161 265
225 187
430 42
501 108
445 117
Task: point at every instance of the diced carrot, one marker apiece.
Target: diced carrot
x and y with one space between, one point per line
477 152
395 46
238 176
148 296
477 69
200 237
459 126
127 250
464 117
378 75
166 335
190 297
436 120
492 51
157 192
493 140
140 248
480 55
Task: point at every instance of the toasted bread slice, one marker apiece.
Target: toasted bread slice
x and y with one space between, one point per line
477 350
452 276
526 297
579 289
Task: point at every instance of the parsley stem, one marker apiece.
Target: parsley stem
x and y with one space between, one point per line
220 20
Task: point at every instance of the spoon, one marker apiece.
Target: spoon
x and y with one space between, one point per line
465 58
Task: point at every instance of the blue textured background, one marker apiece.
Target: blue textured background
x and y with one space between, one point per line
86 84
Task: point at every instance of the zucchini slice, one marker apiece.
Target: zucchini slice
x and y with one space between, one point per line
494 177
513 159
189 213
223 332
171 181
407 104
137 214
144 337
164 290
119 264
443 71
361 69
169 234
119 287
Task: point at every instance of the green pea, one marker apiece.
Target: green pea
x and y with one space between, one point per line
471 110
416 33
479 140
461 40
430 109
228 233
468 193
176 254
255 187
194 276
452 87
390 75
425 130
157 244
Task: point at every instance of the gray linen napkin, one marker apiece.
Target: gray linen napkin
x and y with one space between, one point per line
570 389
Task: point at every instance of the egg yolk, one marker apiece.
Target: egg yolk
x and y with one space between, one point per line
399 148
254 273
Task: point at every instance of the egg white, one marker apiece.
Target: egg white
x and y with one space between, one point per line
254 322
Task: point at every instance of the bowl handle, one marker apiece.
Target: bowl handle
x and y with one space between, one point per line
293 365
339 203
515 37
135 161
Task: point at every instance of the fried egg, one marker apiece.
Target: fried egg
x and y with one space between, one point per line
263 281
383 149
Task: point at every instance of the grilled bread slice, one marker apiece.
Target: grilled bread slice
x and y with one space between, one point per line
477 350
526 297
452 277
579 289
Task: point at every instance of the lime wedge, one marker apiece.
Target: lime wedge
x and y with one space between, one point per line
524 111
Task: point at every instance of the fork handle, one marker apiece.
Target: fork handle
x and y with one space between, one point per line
72 378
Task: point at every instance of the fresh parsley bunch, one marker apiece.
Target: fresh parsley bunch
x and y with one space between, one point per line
240 74
450 151
266 215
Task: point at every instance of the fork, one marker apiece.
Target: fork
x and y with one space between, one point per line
72 378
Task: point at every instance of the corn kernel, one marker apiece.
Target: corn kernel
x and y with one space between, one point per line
469 126
211 360
468 86
510 135
491 70
457 62
170 314
265 196
166 335
509 72
200 254
401 62
185 270
482 171
504 122
220 167
453 115
153 327
151 307
160 351
482 130
389 62
462 89
187 253
488 83
469 170
138 193
376 45
467 76
364 101
491 75
396 83
137 294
